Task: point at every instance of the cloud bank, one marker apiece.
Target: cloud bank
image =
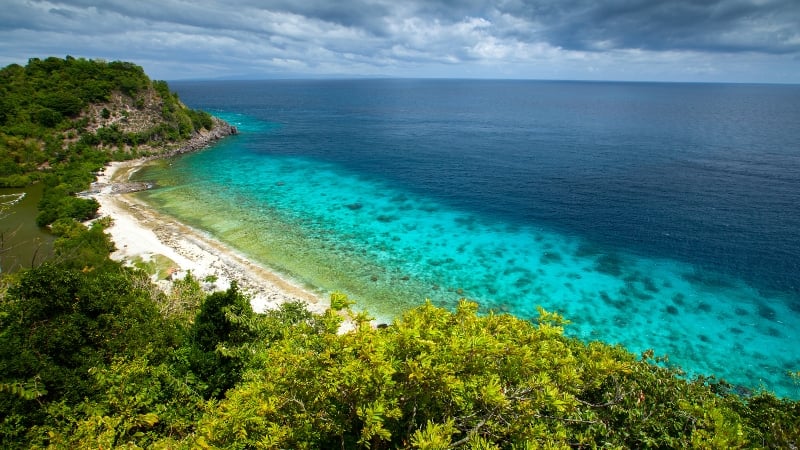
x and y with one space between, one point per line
683 40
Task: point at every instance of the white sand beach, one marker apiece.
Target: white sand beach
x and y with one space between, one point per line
139 231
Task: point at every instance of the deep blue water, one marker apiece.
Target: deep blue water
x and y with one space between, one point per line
654 215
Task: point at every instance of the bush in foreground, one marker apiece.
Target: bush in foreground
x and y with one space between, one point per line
437 379
433 379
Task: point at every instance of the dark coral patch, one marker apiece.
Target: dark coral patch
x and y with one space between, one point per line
707 279
619 303
632 278
774 332
585 250
469 221
399 198
631 291
703 306
610 264
550 257
649 285
766 312
522 282
354 206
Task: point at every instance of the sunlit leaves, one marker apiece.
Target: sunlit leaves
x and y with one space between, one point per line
433 379
439 379
339 301
434 436
29 390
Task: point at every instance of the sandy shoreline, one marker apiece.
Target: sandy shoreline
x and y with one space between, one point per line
140 232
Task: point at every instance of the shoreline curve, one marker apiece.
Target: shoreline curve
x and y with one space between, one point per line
140 232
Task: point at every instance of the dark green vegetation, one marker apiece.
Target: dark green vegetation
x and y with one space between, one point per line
92 355
61 120
91 359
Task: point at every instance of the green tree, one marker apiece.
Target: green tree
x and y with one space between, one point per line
436 379
58 323
65 102
222 326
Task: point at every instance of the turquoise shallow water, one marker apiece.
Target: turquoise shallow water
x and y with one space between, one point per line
656 216
390 249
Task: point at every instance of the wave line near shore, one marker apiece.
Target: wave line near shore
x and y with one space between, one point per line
139 231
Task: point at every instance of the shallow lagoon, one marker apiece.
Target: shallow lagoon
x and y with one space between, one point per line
320 193
390 249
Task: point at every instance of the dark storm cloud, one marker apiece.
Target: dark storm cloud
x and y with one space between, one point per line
771 26
441 37
214 14
368 15
722 25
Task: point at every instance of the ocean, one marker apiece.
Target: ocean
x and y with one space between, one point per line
651 215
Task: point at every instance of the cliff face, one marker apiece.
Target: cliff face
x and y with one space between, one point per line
128 114
139 113
149 122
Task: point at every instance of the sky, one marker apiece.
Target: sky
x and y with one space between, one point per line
751 41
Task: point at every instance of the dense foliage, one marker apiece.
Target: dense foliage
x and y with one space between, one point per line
92 355
63 119
89 362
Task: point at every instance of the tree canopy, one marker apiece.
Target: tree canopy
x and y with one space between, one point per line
433 379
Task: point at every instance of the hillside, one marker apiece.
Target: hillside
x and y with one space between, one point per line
61 120
54 109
